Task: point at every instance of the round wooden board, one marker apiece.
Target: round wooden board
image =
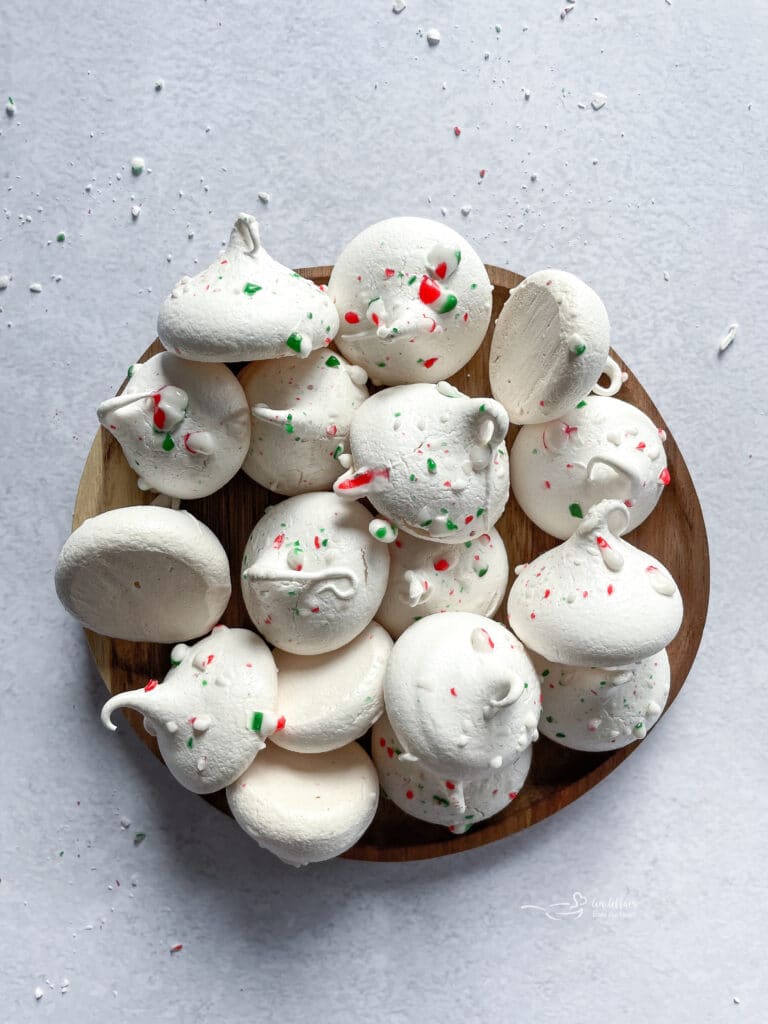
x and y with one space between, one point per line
675 534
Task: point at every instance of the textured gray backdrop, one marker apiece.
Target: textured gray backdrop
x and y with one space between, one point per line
344 115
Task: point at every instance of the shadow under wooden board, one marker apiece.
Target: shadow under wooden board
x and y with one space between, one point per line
674 533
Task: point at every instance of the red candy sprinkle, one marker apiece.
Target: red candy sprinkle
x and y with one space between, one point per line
441 565
150 685
409 794
429 363
389 272
278 541
665 477
352 318
453 691
449 784
456 131
441 270
429 292
280 723
382 742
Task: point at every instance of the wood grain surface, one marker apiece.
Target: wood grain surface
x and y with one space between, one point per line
674 533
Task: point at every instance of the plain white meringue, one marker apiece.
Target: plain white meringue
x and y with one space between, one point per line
414 300
454 804
306 808
214 709
301 411
329 700
426 578
312 575
184 427
431 460
595 600
462 695
144 573
604 448
550 346
601 709
245 306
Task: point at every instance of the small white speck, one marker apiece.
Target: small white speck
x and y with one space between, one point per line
5 280
137 165
443 211
159 84
10 107
399 6
534 177
666 275
727 339
35 287
466 210
64 986
190 234
264 197
487 55
433 36
526 94
599 99
125 822
38 993
135 211
736 1000
168 258
207 128
88 188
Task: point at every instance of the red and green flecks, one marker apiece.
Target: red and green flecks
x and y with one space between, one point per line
575 510
158 416
294 342
362 479
249 288
277 543
432 295
289 423
338 450
332 361
429 363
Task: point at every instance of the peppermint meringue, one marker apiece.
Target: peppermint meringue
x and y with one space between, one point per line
604 448
431 460
245 306
306 808
422 794
184 427
462 695
312 575
426 578
414 301
328 700
214 709
601 709
595 600
549 348
144 573
301 411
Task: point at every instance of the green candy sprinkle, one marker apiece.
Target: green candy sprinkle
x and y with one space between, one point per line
332 361
257 720
60 237
294 341
449 525
337 451
168 443
251 289
550 718
480 512
289 424
560 735
431 465
579 350
482 572
411 279
204 682
130 371
412 477
581 404
575 510
442 801
190 743
450 303
545 673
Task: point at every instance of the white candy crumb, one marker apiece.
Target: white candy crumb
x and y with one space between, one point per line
399 6
599 99
487 55
534 177
64 986
135 211
159 84
4 281
736 1001
526 94
35 287
727 340
38 993
137 165
466 210
444 211
10 107
125 822
264 197
433 36
168 258
666 275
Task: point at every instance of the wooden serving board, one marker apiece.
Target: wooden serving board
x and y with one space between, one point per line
674 533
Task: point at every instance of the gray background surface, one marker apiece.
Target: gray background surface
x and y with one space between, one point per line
344 115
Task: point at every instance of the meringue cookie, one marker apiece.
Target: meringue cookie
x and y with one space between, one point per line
301 410
245 306
595 600
144 573
183 426
462 695
426 578
328 700
604 448
598 709
214 709
550 346
306 808
422 794
431 460
414 301
313 576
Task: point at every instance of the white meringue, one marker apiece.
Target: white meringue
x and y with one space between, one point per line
313 576
431 460
600 709
328 700
604 448
144 573
184 427
462 695
550 346
595 600
426 578
422 794
245 306
413 298
214 709
306 808
301 409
